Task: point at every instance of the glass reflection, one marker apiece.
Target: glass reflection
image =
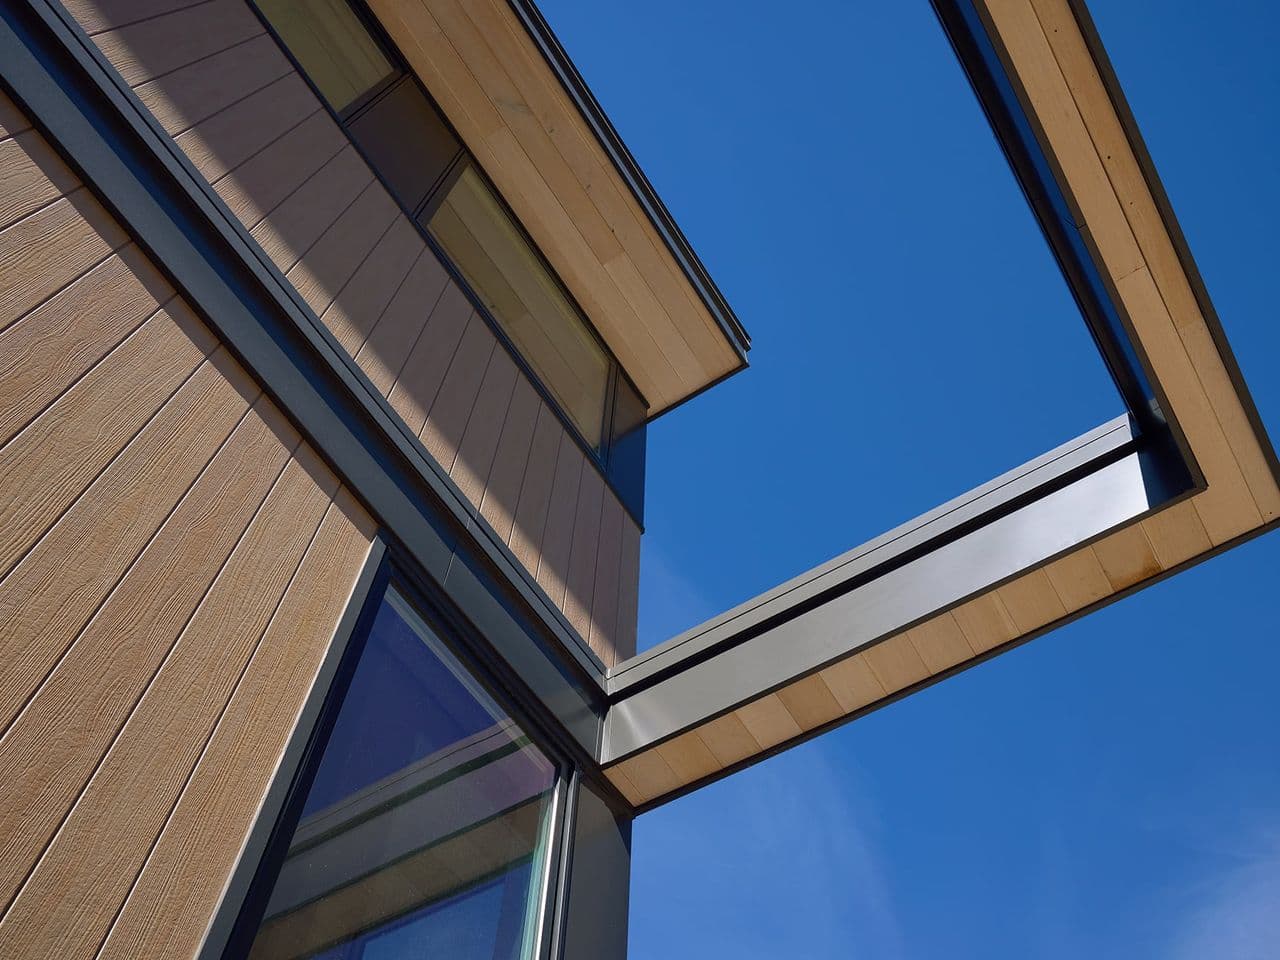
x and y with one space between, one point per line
423 832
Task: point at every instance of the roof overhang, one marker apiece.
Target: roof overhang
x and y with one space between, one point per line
1188 473
506 85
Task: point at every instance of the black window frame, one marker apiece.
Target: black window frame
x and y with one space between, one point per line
623 475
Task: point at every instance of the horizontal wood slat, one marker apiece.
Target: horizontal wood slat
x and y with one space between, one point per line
254 129
154 507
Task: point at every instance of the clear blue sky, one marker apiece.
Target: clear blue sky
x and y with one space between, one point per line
1111 790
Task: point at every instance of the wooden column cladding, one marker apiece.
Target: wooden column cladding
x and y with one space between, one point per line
232 101
174 561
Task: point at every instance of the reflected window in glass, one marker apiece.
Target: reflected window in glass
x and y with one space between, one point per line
424 830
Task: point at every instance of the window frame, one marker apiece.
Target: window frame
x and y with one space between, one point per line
239 916
629 490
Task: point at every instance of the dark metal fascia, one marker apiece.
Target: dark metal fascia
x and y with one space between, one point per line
101 129
860 602
915 688
589 108
927 532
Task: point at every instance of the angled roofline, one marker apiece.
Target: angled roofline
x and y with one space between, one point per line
677 243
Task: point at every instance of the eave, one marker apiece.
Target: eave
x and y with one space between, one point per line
505 84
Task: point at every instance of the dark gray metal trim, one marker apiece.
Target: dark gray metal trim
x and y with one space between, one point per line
866 597
103 131
373 575
902 694
589 108
925 533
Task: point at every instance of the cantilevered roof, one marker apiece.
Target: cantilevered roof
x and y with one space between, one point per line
506 85
1189 472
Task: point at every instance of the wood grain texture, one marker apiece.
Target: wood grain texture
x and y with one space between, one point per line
64 907
398 268
46 466
327 266
1031 601
852 682
810 702
497 91
50 595
42 253
768 721
386 351
50 348
48 754
506 476
895 663
156 46
234 137
940 643
534 502
1176 534
177 892
96 16
418 382
287 232
562 512
479 443
606 583
648 774
442 432
12 120
184 97
259 183
985 622
688 757
1078 579
580 576
1126 557
31 175
1161 257
728 739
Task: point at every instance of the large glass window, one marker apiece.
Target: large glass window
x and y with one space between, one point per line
505 271
424 829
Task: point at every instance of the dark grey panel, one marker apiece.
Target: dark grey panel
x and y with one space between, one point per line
405 140
597 899
804 638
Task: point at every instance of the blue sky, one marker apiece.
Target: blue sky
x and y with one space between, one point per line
1111 790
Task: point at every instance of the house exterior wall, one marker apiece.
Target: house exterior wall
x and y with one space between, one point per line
233 103
174 561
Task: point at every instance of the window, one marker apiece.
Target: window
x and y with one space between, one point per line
424 826
415 153
339 56
505 271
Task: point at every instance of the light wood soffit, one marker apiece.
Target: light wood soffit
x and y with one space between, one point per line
1050 48
669 329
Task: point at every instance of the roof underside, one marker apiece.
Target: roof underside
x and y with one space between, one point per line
505 84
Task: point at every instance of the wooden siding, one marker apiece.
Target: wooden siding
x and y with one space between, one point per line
511 110
253 128
174 561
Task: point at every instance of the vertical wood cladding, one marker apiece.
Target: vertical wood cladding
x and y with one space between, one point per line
225 92
173 563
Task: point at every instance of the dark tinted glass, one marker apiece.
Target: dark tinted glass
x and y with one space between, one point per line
423 832
334 48
505 271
